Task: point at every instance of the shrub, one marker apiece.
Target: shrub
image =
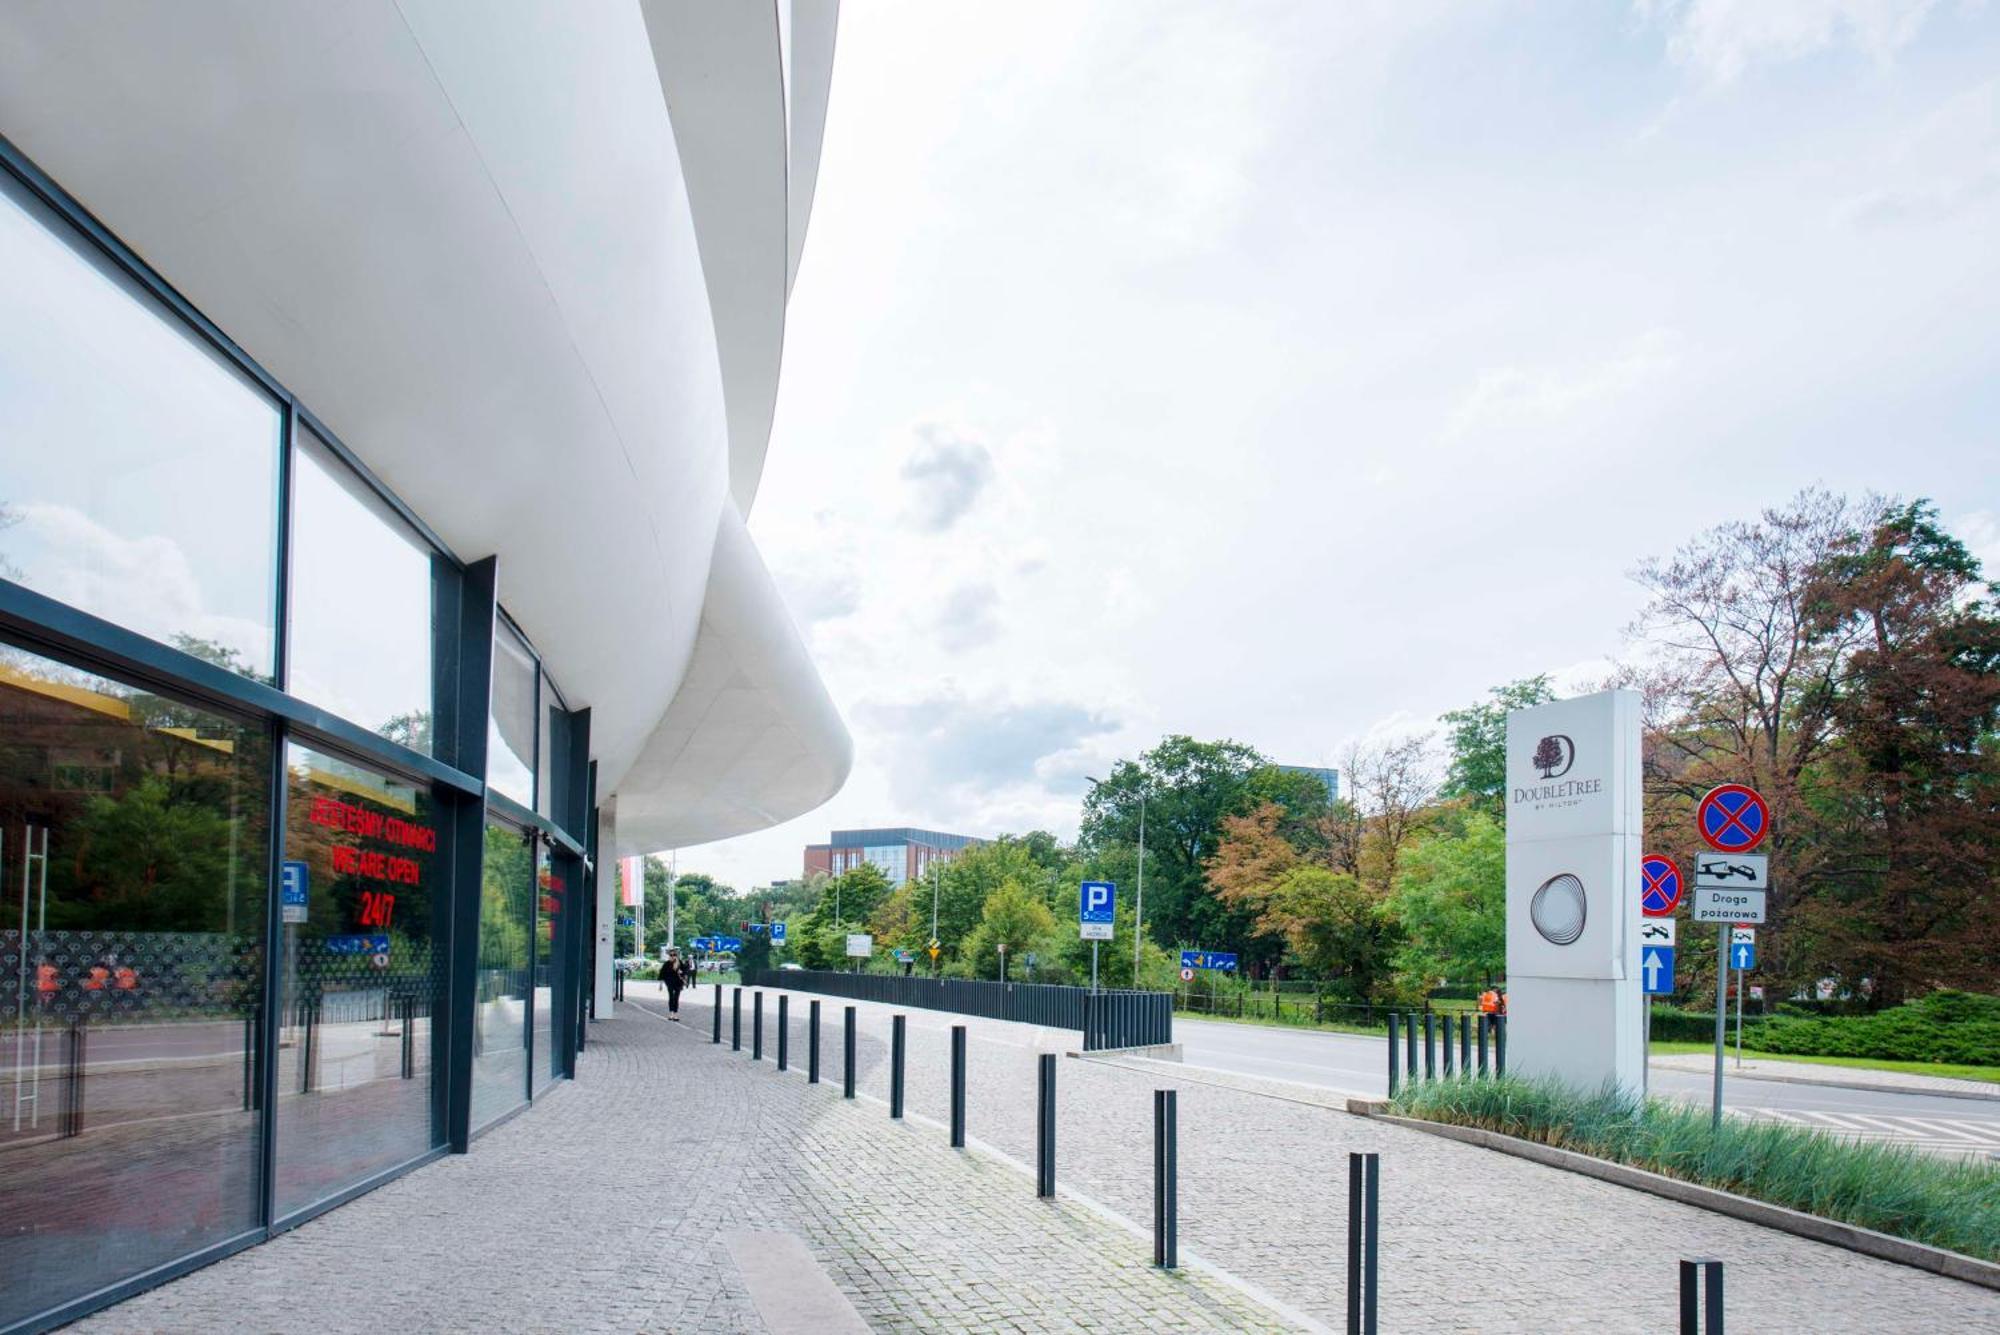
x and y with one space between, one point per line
1937 1201
1958 1027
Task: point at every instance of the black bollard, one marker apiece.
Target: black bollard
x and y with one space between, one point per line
736 1019
757 1026
1363 1198
1166 1173
717 1009
1395 1042
812 1043
1701 1312
1447 1067
784 1028
1045 1127
847 1088
958 1086
1500 1045
1485 1028
1430 1046
897 1045
1410 1047
1465 1045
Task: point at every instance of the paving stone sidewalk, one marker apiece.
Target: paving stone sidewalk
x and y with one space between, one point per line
1472 1240
606 1207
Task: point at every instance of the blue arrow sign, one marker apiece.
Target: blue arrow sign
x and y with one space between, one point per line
1656 969
1743 955
1208 959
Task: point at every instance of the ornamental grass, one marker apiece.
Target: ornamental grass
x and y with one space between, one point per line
1938 1201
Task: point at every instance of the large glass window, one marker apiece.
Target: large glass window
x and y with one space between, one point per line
362 978
545 754
361 609
138 470
501 993
510 744
133 879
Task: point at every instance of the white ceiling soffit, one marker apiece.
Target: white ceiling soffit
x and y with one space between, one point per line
720 67
751 738
810 72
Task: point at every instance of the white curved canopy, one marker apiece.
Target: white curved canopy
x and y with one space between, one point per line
529 262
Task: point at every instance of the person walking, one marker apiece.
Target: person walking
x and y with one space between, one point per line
674 977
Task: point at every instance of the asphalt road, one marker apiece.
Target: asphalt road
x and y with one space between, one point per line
1357 1064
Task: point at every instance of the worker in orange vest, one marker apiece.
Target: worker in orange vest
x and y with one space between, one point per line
1489 1002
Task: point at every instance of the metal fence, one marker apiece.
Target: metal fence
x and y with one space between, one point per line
1453 1057
1106 1019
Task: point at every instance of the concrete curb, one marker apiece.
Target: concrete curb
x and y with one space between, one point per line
1866 1241
1870 1087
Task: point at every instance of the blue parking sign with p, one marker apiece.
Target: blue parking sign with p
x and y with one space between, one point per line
1098 902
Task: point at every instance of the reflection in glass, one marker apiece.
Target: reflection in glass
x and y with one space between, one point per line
361 606
510 745
500 994
138 478
362 978
551 887
545 787
133 874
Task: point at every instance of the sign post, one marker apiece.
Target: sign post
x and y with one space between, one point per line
1743 955
1096 912
1732 819
1575 1005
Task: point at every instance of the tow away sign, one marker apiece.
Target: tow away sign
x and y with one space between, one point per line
1716 905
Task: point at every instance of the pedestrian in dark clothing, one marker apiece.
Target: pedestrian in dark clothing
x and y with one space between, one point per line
673 977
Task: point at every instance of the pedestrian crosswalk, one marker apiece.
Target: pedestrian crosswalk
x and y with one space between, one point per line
1974 1137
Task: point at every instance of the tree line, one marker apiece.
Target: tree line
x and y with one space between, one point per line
1841 656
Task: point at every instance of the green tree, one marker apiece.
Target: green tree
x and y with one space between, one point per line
1016 915
1451 902
1476 737
1188 788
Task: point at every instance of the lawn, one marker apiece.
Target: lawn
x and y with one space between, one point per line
1945 1069
1891 1189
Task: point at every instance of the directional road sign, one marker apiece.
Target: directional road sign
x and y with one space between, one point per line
1659 885
1096 910
1743 955
1732 818
778 933
1733 871
1716 905
1656 968
1656 931
1208 959
294 880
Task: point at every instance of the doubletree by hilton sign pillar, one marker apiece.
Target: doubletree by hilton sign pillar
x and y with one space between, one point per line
1574 813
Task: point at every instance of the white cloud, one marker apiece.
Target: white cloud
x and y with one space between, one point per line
946 473
1507 395
1723 38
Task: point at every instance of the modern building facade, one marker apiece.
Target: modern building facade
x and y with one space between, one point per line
902 852
1326 775
383 386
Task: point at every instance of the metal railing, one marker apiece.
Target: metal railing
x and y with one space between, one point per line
1106 1019
1455 1055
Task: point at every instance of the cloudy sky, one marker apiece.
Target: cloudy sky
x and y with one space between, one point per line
1290 372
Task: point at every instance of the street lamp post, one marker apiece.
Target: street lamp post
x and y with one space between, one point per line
934 915
1139 898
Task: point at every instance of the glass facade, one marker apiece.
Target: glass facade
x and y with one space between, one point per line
229 914
361 977
360 612
139 474
510 741
506 961
134 848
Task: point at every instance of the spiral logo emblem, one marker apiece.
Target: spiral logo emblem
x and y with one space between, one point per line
1558 909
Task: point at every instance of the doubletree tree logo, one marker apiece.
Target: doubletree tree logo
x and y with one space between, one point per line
1554 755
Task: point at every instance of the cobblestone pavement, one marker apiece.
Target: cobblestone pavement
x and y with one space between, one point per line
606 1207
1471 1240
